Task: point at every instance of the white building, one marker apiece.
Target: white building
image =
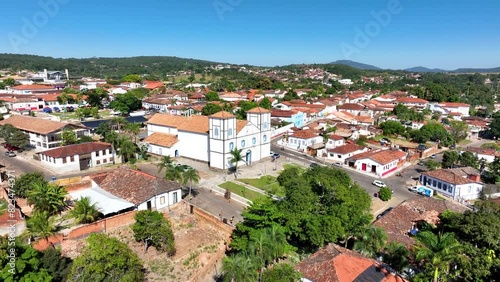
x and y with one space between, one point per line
346 81
342 153
211 139
42 133
459 183
461 108
301 139
380 163
78 156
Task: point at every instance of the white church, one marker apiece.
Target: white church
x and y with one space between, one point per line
211 139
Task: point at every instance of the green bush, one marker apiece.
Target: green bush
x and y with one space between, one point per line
385 194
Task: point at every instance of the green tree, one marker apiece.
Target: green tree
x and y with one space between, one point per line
438 253
371 241
106 259
57 265
174 173
27 266
210 109
282 272
432 165
244 107
126 103
397 256
9 82
236 157
132 129
458 130
165 162
126 149
392 127
212 96
25 183
450 158
68 137
153 229
495 125
84 211
19 139
469 159
40 225
265 103
190 176
240 268
47 197
132 78
385 194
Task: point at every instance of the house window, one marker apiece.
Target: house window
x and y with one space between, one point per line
264 138
162 200
72 159
64 160
111 159
103 153
439 185
231 146
254 140
242 143
216 132
434 182
450 189
230 132
98 162
265 125
175 198
104 161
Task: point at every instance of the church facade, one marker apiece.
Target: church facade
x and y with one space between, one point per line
211 139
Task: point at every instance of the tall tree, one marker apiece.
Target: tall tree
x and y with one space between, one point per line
174 173
237 156
132 129
165 162
126 149
153 229
265 103
190 176
458 129
371 241
210 109
397 256
450 158
438 253
40 225
469 159
212 96
47 197
282 272
240 268
84 211
106 259
68 137
25 183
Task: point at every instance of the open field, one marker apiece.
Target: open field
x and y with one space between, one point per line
241 190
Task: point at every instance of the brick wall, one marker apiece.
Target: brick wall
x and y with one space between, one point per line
53 240
199 213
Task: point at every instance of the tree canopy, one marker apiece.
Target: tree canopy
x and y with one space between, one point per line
153 229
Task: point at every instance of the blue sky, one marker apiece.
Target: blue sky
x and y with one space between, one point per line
437 34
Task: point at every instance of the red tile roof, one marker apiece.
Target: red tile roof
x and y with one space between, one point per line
382 157
76 149
304 134
346 149
161 139
410 100
351 107
193 123
280 113
258 110
336 137
132 185
449 176
36 125
33 87
333 263
454 105
223 115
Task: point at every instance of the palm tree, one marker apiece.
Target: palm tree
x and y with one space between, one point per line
132 129
165 162
47 197
240 268
262 246
174 173
236 158
396 255
127 149
190 176
40 224
84 211
439 252
370 241
277 236
117 123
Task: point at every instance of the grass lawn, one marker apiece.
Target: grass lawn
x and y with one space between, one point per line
464 142
267 183
241 190
302 169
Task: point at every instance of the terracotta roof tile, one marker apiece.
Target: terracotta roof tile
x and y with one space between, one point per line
258 110
351 107
33 87
305 134
161 139
240 124
381 156
346 149
449 176
453 105
336 137
132 185
76 149
194 123
223 115
36 125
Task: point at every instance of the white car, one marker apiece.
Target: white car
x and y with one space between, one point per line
379 183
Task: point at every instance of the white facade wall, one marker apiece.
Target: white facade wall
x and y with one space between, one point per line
342 157
72 163
380 170
334 143
470 191
299 143
487 158
162 200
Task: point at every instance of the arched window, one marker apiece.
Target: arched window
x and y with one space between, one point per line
242 143
230 132
254 140
231 146
264 138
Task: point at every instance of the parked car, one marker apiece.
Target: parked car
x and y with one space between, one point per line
313 165
384 212
379 183
47 110
10 154
70 109
337 164
275 155
413 189
56 109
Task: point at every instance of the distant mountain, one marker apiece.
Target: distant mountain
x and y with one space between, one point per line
355 65
473 70
424 69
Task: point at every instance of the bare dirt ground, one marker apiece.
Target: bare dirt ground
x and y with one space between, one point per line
197 243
